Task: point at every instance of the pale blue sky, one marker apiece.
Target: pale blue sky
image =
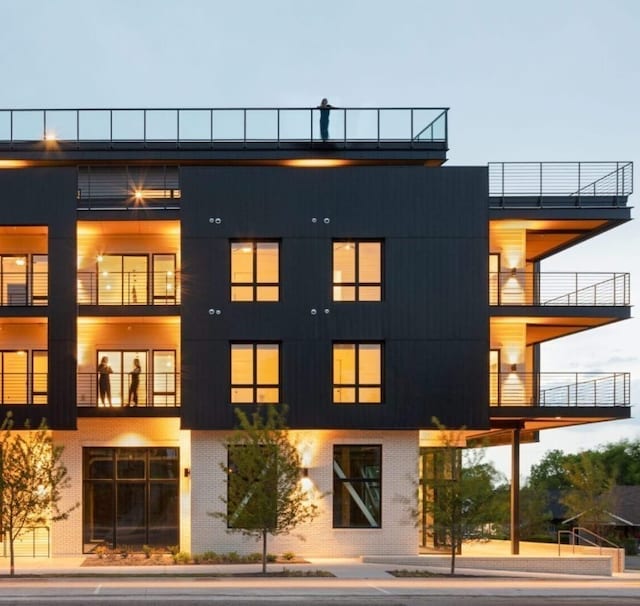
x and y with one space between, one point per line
544 80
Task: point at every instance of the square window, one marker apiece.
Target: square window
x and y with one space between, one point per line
255 373
357 373
357 270
255 271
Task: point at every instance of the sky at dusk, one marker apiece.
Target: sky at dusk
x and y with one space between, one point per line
524 81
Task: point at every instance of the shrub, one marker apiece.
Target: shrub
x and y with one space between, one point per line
211 557
146 549
182 557
232 557
256 556
271 557
288 556
173 549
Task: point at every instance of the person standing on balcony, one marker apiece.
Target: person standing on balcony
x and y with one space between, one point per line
134 382
324 108
104 380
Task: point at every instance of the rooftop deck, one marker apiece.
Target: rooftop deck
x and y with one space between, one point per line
265 132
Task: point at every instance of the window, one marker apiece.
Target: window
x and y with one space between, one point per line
356 486
122 279
357 271
131 496
255 271
255 373
357 373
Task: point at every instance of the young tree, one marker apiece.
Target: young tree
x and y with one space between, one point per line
589 495
265 495
462 497
32 478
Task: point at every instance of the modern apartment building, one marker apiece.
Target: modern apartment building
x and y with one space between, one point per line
235 259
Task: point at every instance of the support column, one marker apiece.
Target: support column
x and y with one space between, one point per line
515 491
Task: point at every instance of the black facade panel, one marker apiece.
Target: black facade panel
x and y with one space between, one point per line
433 320
47 196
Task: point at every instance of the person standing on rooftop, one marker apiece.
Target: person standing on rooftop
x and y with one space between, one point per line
324 108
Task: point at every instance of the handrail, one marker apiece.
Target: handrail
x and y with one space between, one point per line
571 289
560 389
577 533
218 125
559 179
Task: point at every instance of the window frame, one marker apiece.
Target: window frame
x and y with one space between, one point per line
255 386
348 480
254 284
357 385
357 284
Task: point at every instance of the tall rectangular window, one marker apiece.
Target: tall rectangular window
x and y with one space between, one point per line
357 373
255 373
357 270
255 271
356 486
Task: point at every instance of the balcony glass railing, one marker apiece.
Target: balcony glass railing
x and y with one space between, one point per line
21 388
548 389
559 289
128 288
216 127
158 389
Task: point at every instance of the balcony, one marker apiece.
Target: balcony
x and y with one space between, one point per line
22 388
557 389
128 288
220 127
155 390
559 184
557 289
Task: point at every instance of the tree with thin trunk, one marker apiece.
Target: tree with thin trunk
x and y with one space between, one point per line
590 496
462 496
32 478
265 492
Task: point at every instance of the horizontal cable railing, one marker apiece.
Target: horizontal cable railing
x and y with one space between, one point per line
571 289
128 288
22 388
156 389
220 125
132 183
24 288
32 542
548 389
560 179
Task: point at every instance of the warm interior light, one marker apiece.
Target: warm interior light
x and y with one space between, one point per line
50 136
315 163
138 195
20 261
13 163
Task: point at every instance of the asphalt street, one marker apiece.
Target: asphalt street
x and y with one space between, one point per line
477 591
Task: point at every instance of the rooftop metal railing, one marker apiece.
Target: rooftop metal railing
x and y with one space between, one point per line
549 389
216 126
573 179
569 289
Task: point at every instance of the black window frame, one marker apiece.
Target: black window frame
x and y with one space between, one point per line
357 385
374 483
254 284
357 284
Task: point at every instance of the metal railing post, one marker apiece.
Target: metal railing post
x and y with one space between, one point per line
244 119
177 127
278 126
378 117
110 127
144 127
44 125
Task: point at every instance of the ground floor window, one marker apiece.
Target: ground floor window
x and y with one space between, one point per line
131 497
356 486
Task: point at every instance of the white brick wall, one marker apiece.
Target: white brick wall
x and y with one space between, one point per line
398 534
203 451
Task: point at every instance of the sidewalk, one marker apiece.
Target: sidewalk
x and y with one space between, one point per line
342 568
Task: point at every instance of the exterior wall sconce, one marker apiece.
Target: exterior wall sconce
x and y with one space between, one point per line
514 271
187 472
514 367
304 472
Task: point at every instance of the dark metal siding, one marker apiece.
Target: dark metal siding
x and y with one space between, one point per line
47 196
433 320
